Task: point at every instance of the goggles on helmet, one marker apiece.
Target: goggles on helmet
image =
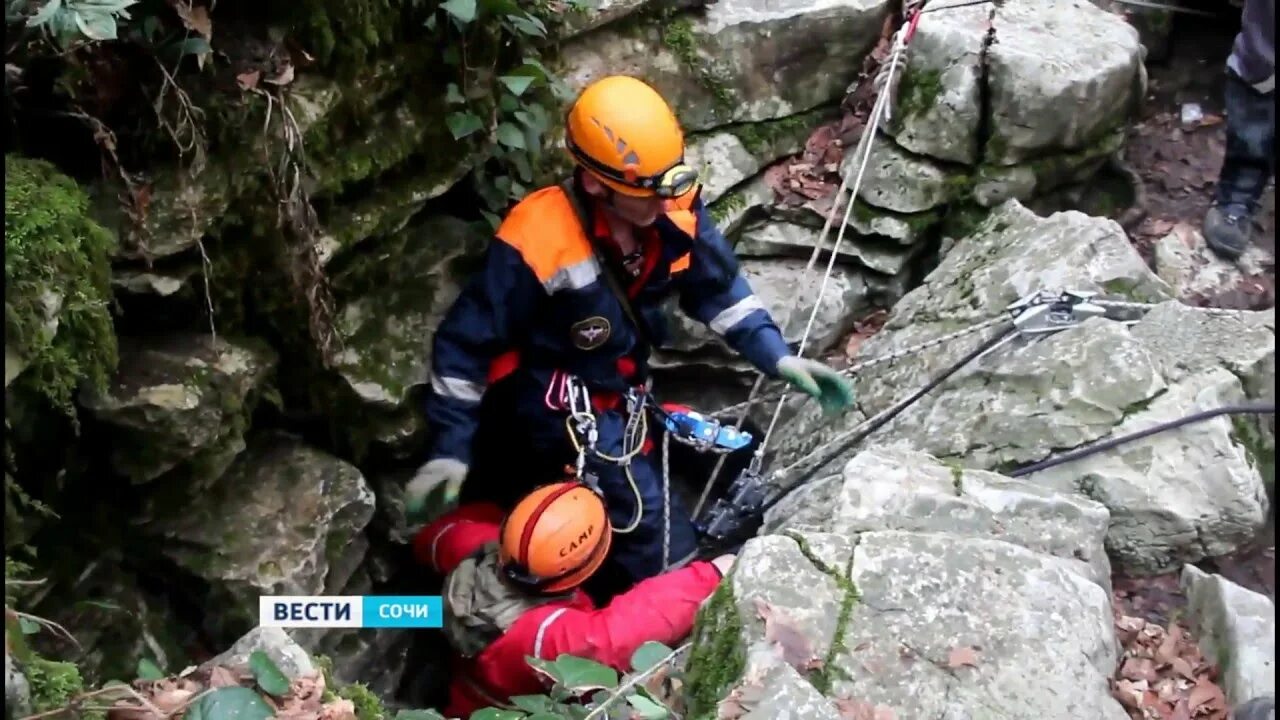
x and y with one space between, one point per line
673 182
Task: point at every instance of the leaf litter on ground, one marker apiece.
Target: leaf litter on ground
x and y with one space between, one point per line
1162 674
231 692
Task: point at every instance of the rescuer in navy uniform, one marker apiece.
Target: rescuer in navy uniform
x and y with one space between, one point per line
543 308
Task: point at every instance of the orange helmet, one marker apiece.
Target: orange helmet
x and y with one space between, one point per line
554 538
623 132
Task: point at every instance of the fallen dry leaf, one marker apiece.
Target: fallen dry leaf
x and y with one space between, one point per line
797 649
1139 668
854 709
962 655
195 18
342 709
248 80
1206 694
223 677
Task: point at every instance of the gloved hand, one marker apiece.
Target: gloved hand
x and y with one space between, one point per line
433 489
833 391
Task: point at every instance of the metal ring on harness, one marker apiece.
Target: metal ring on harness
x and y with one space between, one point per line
581 414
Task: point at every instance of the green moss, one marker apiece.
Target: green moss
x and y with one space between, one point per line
346 34
918 92
52 245
829 670
718 656
682 40
959 188
726 205
765 138
368 706
957 476
54 685
1259 449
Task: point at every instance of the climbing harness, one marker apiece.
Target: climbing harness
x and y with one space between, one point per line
581 423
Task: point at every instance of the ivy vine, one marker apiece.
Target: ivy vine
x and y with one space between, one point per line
509 108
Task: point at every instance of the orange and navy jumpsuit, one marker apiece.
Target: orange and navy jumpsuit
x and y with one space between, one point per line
661 609
538 308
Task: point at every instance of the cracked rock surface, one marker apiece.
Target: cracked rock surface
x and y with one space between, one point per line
1174 497
888 589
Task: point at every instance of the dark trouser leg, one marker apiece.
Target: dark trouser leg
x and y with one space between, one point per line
639 553
520 443
1251 121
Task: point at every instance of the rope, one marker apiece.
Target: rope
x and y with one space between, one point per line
629 440
1253 409
666 500
841 443
879 111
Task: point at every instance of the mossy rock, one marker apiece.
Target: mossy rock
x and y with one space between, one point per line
181 399
58 327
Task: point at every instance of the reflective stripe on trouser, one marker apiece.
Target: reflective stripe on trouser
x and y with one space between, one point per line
1250 149
521 443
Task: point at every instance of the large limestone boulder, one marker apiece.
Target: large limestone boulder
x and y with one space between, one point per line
896 488
1174 497
917 601
180 400
737 61
1044 96
286 519
1236 627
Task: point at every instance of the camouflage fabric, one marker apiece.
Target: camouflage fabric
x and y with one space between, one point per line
479 606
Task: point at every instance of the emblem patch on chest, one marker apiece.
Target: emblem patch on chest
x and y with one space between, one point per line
591 333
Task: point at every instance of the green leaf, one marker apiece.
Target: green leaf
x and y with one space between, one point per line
191 46
545 716
464 11
29 626
462 124
233 702
453 95
647 709
494 223
523 169
430 24
582 675
419 715
96 25
510 136
46 13
517 84
531 703
648 655
496 714
267 675
528 24
148 670
509 103
451 56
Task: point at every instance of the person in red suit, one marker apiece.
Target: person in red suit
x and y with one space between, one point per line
512 589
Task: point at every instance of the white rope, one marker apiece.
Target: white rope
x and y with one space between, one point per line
878 111
881 82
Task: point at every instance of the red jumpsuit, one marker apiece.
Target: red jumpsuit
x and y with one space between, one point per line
661 608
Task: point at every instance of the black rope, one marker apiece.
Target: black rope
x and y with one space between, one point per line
1255 409
896 410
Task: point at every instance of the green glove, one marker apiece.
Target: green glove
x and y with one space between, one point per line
833 391
433 490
